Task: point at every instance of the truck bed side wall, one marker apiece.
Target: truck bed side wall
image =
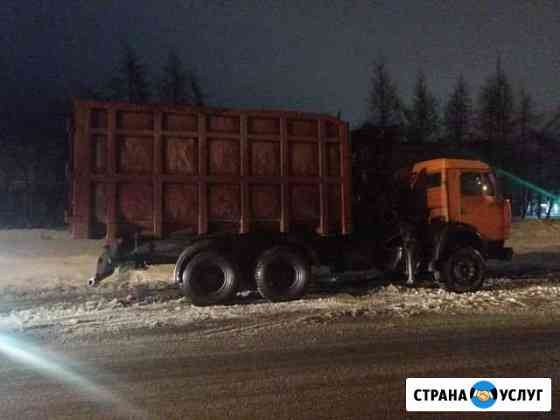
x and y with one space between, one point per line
158 170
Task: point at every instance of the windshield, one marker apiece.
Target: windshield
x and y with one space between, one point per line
477 183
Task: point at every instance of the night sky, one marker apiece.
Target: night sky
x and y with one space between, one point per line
309 55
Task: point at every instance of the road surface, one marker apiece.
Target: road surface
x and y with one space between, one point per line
341 369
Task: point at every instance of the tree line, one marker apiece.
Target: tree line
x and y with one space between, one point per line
504 121
132 82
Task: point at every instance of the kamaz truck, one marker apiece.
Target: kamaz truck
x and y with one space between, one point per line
253 199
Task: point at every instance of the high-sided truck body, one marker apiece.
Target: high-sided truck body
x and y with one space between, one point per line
166 170
253 199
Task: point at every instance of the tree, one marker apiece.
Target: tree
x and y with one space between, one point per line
175 86
384 102
179 86
527 120
496 112
552 125
422 117
130 83
197 94
458 113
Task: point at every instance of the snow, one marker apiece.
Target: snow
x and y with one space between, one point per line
501 295
38 259
33 300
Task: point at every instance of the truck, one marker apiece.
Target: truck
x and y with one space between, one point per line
255 199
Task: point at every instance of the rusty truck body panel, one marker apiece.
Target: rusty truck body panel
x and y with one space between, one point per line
161 170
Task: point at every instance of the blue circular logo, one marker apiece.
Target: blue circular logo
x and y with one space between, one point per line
484 394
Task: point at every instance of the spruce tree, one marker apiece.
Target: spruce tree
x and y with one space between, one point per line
130 83
422 117
458 114
384 103
174 86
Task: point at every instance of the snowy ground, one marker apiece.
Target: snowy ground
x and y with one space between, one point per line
43 291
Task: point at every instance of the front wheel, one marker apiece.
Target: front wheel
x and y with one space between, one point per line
463 271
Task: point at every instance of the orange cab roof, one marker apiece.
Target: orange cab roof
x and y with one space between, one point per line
450 164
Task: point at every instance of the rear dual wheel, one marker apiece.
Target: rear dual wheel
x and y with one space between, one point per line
210 278
281 274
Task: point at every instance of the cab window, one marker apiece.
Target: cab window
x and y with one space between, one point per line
476 184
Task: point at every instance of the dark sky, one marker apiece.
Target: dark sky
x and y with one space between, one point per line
310 55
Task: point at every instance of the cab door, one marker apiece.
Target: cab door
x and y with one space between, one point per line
481 204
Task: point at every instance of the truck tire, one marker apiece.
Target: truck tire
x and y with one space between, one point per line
463 271
282 274
210 278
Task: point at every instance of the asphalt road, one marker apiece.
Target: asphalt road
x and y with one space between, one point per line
341 370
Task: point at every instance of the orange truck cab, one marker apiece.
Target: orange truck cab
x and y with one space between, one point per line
468 219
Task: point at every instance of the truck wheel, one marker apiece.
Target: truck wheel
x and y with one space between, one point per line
210 278
464 270
282 274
